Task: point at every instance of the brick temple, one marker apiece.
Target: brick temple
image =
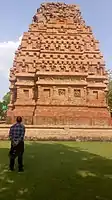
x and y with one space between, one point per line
58 75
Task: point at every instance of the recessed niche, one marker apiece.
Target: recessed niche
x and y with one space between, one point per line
26 93
47 93
77 93
61 92
95 94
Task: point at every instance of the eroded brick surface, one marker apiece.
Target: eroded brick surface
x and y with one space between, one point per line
61 133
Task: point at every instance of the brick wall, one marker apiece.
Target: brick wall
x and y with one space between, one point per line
62 133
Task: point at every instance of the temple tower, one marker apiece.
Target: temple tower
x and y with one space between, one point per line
58 75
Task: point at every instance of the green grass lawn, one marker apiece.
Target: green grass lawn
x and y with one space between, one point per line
59 171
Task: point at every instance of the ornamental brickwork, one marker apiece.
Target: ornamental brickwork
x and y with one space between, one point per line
58 75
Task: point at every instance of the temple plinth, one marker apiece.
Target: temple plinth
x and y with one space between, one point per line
58 75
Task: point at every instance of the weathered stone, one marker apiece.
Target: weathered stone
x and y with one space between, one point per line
59 76
36 132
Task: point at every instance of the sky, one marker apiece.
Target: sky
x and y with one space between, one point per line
15 17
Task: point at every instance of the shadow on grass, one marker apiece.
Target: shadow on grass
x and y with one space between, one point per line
56 171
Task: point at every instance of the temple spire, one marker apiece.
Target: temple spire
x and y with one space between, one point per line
59 74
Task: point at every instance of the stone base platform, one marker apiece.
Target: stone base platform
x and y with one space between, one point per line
55 133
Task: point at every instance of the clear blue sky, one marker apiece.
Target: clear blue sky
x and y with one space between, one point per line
16 15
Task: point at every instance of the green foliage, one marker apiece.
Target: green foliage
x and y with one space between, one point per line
6 99
4 106
1 110
109 94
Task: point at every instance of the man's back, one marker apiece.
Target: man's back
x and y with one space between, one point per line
16 135
17 132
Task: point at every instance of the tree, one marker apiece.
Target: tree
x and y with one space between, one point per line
6 99
4 106
109 94
1 110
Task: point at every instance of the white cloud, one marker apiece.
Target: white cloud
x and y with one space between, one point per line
7 52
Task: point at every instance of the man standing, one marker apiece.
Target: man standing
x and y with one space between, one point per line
16 135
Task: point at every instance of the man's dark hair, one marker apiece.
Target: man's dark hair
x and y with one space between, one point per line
19 119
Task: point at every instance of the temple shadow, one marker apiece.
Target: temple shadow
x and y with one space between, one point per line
56 171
